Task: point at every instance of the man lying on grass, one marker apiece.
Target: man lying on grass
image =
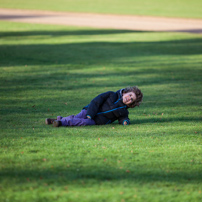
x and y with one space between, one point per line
104 109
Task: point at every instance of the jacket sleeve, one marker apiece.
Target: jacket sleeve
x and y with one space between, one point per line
95 104
123 119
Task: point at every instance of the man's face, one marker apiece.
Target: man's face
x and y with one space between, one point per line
129 98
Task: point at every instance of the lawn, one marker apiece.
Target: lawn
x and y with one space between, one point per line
172 8
49 70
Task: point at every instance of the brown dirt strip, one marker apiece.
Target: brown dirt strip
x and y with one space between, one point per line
123 22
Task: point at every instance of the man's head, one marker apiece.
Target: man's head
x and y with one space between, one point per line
132 96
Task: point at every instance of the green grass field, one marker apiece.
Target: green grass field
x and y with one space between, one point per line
172 8
55 70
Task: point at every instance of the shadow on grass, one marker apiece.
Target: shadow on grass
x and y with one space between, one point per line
92 53
66 33
64 80
54 62
165 120
100 173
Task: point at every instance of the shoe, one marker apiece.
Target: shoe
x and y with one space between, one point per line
57 123
50 121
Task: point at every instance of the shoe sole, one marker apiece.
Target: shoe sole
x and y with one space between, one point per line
46 121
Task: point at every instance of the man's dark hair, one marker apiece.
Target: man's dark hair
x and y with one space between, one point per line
138 94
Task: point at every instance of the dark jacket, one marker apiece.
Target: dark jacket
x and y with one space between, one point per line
107 108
